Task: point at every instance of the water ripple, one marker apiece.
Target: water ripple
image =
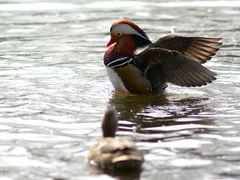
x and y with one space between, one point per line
54 90
41 6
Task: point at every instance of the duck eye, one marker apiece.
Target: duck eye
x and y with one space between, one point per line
118 34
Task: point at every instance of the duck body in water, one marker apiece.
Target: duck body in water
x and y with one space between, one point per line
171 59
111 153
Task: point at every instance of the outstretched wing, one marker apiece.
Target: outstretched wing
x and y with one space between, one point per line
161 65
199 49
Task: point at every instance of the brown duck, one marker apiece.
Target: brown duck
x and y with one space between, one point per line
111 153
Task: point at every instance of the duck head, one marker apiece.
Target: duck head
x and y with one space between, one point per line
126 34
109 123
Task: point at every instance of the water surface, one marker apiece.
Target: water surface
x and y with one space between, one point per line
54 90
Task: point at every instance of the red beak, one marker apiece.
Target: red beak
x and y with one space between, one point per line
111 41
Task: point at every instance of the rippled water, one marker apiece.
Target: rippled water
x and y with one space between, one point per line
54 90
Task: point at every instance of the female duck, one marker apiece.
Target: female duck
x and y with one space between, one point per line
112 153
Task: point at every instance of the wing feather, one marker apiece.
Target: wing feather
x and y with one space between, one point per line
200 49
172 66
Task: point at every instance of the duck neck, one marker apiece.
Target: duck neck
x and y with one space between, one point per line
109 124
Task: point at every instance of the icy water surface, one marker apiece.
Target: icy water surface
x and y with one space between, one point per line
54 90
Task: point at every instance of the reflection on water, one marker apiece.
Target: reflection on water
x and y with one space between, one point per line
155 114
54 90
121 175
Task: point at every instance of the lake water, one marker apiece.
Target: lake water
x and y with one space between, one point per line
54 90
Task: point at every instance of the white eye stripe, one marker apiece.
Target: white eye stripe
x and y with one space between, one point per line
126 29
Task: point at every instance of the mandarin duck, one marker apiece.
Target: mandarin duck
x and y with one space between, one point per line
171 59
113 154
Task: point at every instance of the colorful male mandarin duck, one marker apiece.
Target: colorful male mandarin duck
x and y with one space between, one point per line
171 59
113 154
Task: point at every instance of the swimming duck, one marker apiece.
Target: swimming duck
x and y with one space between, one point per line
111 153
171 59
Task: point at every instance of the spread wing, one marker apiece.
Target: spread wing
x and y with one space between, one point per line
161 65
199 49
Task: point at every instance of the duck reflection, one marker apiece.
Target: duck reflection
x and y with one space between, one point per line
119 174
152 114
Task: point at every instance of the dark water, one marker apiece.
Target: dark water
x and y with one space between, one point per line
54 90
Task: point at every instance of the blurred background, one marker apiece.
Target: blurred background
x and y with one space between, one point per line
54 90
